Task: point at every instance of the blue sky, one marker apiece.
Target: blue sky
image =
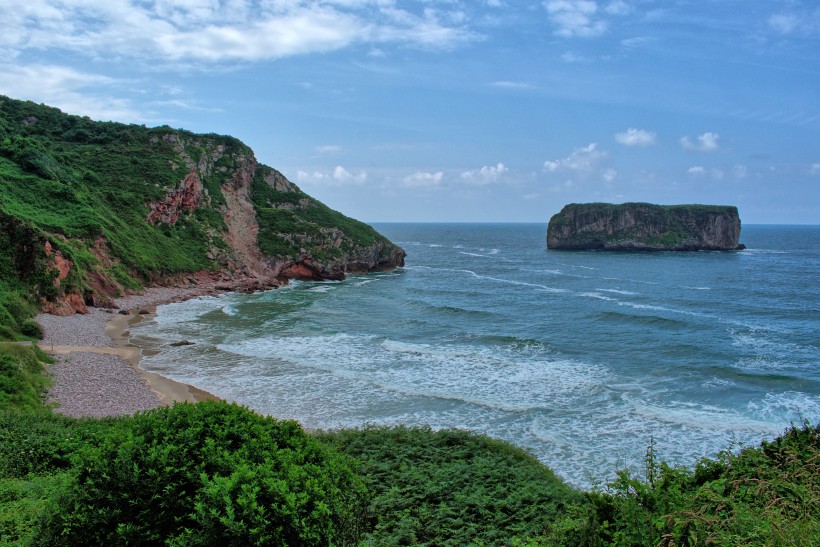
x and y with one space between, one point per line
495 110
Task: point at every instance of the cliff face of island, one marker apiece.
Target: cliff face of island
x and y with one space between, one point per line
645 227
93 210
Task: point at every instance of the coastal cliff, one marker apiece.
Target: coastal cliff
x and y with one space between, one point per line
93 210
645 227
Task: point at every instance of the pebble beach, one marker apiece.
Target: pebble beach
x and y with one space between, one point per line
96 369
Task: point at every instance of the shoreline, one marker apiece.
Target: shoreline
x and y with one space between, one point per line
97 369
118 328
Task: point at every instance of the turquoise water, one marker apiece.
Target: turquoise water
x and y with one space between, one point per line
581 357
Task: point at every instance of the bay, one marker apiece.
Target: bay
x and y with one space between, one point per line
583 358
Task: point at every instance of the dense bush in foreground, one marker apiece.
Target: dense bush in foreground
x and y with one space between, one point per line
218 474
451 487
766 495
207 474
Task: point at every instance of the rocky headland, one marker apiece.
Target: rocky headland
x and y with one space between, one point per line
92 211
645 227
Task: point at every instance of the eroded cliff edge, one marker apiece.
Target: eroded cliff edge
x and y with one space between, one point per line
93 210
645 227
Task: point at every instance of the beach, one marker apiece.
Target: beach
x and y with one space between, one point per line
96 369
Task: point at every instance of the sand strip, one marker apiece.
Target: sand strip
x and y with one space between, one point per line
97 372
118 329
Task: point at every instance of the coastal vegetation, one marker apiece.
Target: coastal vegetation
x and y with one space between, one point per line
93 209
215 473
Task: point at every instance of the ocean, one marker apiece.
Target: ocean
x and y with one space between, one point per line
583 358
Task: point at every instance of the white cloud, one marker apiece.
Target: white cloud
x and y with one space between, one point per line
582 160
485 175
328 149
796 21
814 169
696 171
637 41
583 164
422 179
338 177
636 137
618 7
70 90
572 57
740 171
512 85
784 23
212 32
575 18
707 142
346 177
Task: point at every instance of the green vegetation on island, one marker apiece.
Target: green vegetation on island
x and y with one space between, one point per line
644 227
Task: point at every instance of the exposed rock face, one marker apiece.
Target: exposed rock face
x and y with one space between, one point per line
375 258
70 303
247 267
645 227
185 197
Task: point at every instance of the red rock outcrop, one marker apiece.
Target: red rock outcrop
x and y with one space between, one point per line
70 303
62 264
185 197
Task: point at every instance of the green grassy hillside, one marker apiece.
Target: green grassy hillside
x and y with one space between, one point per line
90 189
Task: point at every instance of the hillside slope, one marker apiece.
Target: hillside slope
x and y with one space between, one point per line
91 210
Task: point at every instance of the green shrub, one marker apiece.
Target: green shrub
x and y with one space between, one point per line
23 378
451 487
23 501
209 474
45 443
31 329
766 495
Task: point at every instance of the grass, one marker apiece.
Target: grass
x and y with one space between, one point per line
85 187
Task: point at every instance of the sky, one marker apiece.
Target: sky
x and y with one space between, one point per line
447 110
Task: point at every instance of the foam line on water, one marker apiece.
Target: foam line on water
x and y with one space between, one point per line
789 406
512 282
619 291
187 311
698 416
489 377
596 295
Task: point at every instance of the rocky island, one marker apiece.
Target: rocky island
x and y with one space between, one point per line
645 227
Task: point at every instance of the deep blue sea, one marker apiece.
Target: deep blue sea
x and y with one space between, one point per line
581 357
